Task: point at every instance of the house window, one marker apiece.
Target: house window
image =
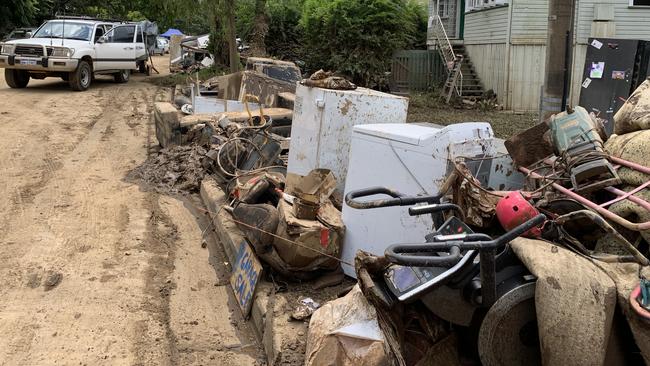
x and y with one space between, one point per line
473 5
639 2
443 9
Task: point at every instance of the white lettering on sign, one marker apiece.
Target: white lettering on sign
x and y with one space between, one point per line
245 275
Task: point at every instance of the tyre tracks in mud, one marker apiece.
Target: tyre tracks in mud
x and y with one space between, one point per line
89 262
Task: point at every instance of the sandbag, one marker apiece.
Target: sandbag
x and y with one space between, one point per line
345 332
634 115
626 277
634 147
633 212
574 302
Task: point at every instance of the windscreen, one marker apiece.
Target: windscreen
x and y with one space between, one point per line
67 30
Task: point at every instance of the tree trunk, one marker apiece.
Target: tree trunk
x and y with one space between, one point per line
260 29
230 34
219 50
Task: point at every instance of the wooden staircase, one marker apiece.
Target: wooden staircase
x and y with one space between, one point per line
462 79
472 88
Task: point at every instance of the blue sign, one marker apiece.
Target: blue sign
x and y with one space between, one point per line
246 272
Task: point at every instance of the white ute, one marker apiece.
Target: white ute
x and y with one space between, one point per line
74 50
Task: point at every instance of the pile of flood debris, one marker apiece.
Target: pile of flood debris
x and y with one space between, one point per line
466 249
174 170
189 54
554 272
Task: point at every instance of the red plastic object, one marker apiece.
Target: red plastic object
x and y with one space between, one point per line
636 307
513 210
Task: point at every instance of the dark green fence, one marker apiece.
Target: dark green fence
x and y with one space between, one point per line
416 71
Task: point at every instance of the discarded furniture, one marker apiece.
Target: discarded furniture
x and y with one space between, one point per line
204 104
282 70
613 69
167 123
264 87
409 158
444 275
322 127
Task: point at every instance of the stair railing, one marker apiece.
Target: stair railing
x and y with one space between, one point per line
446 50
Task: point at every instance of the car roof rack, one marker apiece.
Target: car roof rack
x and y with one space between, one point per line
87 17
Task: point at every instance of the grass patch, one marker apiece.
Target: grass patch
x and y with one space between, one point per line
431 108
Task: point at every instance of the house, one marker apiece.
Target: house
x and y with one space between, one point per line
504 41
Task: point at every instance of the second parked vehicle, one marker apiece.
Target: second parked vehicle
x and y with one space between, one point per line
75 50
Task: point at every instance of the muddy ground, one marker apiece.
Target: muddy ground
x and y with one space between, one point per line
95 269
429 108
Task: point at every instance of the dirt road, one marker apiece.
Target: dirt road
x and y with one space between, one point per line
94 270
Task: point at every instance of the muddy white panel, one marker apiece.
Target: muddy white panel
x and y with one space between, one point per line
412 159
322 126
211 105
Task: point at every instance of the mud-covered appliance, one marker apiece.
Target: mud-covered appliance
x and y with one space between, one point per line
613 69
322 127
409 158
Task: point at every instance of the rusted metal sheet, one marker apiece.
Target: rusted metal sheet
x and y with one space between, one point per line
264 87
529 146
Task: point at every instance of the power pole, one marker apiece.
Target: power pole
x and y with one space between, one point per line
558 55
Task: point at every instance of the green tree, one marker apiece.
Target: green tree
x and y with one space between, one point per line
356 37
16 13
284 38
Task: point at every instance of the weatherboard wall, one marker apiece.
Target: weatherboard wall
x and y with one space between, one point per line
507 46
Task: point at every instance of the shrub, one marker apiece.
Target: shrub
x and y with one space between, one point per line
357 37
285 34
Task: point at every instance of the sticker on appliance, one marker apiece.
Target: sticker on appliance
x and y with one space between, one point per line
597 70
586 83
618 75
596 43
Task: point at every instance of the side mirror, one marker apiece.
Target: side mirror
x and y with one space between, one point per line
101 39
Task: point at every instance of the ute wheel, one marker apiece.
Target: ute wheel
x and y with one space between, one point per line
80 78
16 78
122 76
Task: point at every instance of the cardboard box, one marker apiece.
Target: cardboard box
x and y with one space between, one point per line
313 236
315 187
